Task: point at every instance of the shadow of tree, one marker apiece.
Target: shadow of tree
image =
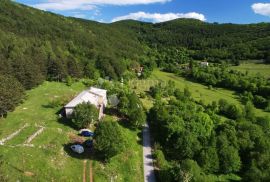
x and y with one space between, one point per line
113 112
48 106
140 136
67 122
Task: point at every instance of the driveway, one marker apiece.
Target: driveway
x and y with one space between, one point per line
149 175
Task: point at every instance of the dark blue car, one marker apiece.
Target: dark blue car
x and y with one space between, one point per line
88 143
87 134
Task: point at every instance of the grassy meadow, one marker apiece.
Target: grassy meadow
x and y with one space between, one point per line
199 91
254 68
50 159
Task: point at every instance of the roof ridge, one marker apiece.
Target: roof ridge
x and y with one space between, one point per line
95 93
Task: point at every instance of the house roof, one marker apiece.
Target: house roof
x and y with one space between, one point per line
94 95
98 91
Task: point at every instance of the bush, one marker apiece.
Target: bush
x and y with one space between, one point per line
267 109
88 82
55 103
69 81
164 173
131 106
84 114
142 95
161 162
59 101
260 102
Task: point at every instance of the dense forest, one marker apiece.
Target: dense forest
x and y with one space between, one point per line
194 143
37 45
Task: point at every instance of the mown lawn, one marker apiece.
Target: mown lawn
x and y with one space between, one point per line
50 159
254 68
199 91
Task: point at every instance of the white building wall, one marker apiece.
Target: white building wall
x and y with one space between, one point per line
69 112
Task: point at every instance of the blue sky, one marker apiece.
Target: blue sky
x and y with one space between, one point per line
222 11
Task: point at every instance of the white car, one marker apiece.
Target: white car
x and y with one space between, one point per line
82 130
77 148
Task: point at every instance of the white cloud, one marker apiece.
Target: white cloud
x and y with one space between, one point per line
261 8
157 17
64 5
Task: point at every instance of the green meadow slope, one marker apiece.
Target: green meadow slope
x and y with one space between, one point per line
50 159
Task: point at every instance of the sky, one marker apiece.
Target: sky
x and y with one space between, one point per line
221 11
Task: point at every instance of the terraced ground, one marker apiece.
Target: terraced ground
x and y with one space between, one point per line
49 158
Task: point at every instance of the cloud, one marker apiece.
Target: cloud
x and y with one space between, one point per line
64 5
157 17
261 8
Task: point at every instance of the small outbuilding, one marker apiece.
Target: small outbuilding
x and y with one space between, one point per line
95 96
204 64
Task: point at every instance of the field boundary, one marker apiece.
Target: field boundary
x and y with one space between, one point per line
2 142
32 137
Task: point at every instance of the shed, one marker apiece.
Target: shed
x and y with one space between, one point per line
95 96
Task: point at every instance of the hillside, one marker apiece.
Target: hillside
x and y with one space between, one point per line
37 45
40 40
42 37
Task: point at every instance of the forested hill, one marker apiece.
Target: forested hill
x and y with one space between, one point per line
37 45
206 40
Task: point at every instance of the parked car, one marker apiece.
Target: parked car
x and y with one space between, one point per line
84 130
87 134
88 143
77 148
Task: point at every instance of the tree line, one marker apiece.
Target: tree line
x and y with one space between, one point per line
251 88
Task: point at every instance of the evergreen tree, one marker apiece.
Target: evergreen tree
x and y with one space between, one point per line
56 70
109 139
12 93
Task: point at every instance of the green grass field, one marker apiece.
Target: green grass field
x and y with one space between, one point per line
199 91
49 159
254 68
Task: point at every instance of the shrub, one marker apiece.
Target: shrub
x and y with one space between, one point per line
55 103
84 114
69 81
142 95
